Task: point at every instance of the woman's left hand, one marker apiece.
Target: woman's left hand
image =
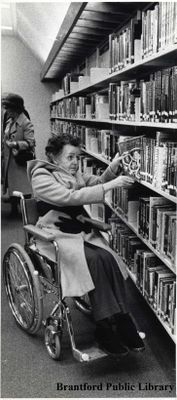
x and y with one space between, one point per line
115 163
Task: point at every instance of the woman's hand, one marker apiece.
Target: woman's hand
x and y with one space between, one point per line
11 144
124 181
120 181
115 163
14 152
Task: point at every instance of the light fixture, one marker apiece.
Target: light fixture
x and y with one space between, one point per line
5 5
7 28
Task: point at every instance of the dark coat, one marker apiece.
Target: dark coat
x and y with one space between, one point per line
15 176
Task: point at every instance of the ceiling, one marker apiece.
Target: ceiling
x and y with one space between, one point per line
86 26
61 33
36 23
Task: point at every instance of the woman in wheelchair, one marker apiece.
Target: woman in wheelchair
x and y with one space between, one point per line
87 263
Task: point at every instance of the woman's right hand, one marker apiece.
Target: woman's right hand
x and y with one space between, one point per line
120 181
124 181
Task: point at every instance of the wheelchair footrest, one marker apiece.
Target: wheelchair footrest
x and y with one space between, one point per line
88 354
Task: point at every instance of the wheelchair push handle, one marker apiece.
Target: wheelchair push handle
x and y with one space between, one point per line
18 194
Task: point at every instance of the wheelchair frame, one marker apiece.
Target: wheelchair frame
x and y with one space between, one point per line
36 285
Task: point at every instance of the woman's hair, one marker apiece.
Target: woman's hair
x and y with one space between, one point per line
14 102
26 113
55 144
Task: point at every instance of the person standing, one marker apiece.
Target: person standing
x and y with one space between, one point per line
18 145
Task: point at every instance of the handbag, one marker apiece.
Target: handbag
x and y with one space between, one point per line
22 156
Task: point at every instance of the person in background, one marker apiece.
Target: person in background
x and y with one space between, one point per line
87 263
17 136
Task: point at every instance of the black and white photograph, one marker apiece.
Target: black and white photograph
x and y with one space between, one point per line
88 199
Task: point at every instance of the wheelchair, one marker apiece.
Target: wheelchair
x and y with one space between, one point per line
29 276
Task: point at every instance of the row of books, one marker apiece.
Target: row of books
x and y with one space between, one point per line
155 281
126 202
148 33
76 81
94 106
153 160
124 46
154 218
59 127
157 222
100 142
158 162
70 82
74 107
159 27
153 99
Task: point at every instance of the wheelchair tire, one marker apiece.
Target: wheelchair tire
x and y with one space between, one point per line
53 342
83 304
23 288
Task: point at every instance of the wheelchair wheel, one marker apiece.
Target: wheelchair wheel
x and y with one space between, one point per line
53 342
83 304
22 288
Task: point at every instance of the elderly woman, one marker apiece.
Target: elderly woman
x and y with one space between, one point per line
18 137
87 263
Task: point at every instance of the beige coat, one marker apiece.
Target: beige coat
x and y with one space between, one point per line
15 176
56 186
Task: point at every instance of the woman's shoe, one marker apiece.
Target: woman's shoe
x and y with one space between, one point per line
127 332
108 341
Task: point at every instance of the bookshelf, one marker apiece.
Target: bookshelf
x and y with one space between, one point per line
97 69
108 123
164 259
133 278
148 185
143 183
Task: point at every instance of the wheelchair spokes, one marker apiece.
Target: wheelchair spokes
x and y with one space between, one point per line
22 289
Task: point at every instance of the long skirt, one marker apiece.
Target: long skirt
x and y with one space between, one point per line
109 295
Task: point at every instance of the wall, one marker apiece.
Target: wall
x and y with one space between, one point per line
20 73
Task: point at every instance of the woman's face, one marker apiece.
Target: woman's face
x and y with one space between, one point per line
10 112
68 158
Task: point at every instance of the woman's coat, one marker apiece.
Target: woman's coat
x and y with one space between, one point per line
15 176
54 185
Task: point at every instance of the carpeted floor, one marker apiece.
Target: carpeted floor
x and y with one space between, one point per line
27 370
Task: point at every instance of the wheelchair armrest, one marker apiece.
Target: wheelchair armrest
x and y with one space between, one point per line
102 226
40 233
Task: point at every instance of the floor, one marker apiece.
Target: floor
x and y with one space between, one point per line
28 371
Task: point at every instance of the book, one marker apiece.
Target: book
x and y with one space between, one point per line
165 229
154 201
159 274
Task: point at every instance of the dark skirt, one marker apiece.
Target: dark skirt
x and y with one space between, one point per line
109 296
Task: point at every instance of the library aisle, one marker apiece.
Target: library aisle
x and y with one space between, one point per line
27 370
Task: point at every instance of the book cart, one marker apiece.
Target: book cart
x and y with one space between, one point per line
116 68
